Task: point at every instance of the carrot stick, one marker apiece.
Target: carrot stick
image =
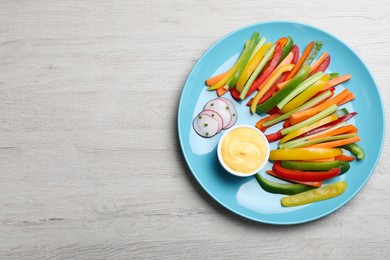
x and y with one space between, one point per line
303 115
346 99
301 61
216 78
342 130
344 158
336 143
337 80
221 91
319 61
311 183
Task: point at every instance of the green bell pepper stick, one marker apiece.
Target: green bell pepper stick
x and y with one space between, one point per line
287 48
280 188
301 87
313 53
333 75
310 120
281 94
344 167
325 192
247 55
356 150
257 71
307 105
312 166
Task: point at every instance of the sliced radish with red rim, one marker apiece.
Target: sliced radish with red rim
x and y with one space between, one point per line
222 108
232 110
214 115
205 125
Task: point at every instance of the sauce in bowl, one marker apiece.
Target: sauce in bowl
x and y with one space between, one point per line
243 150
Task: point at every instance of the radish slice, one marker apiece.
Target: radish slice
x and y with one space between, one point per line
214 115
205 125
222 108
232 110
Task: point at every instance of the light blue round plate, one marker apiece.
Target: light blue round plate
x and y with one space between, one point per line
243 195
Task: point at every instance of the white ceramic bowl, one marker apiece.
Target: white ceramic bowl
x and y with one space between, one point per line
230 170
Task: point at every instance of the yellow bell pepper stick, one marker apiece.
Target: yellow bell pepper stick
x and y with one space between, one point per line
268 84
251 66
325 192
233 70
308 128
306 95
304 154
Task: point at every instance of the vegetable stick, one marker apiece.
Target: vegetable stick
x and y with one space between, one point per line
345 158
338 80
260 123
336 143
341 130
323 66
319 61
301 60
346 99
322 160
221 91
301 116
309 183
215 79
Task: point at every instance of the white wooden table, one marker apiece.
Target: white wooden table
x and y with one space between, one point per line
90 162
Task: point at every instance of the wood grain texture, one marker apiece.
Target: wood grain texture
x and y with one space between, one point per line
90 163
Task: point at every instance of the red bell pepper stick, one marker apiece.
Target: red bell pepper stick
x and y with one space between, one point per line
274 136
329 125
235 94
323 66
298 175
273 111
286 124
269 67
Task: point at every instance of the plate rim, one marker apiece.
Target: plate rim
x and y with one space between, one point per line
236 211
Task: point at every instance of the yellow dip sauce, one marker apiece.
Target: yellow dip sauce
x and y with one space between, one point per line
243 150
